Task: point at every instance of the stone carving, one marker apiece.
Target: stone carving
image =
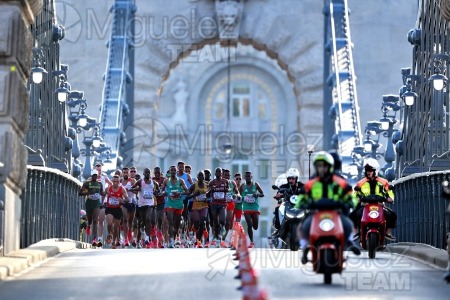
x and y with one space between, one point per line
181 95
229 14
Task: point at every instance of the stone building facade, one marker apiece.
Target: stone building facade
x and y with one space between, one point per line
15 63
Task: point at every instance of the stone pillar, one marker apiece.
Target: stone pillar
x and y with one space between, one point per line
15 64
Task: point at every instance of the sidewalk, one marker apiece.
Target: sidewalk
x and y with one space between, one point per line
22 259
423 252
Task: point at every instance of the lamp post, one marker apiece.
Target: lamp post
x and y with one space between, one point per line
310 149
391 105
76 104
90 150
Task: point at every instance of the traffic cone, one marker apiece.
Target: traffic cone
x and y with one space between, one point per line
249 280
256 294
233 235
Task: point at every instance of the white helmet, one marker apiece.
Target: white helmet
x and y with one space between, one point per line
372 164
292 172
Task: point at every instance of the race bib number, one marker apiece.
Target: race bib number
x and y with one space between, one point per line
148 195
229 198
174 195
201 198
114 201
219 195
95 196
249 199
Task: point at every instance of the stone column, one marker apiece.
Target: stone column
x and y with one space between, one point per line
15 64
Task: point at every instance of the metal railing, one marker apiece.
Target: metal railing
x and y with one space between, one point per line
426 125
420 206
50 206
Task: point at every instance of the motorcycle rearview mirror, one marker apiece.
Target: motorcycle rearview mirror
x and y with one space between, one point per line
357 188
293 199
391 187
274 187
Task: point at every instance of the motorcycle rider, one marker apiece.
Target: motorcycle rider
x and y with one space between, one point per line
372 184
294 187
326 184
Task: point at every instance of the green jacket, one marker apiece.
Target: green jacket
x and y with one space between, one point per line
336 189
379 187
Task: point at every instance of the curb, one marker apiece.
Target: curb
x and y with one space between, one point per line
435 256
22 259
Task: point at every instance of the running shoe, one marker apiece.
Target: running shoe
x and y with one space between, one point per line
223 244
88 230
99 242
109 239
94 243
390 237
133 243
206 245
129 235
127 243
213 243
252 245
198 244
118 244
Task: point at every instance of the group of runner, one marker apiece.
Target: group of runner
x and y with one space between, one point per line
175 210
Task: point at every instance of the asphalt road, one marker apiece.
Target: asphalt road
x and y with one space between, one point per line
208 274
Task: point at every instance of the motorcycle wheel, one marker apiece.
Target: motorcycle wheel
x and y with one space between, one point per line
293 240
328 261
372 244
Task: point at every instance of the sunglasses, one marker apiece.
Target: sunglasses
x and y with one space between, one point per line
238 179
132 171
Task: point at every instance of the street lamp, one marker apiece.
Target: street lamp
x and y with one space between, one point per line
96 139
90 142
406 91
37 71
438 79
64 88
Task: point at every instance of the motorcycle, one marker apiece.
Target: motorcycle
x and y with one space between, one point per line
290 217
326 240
373 224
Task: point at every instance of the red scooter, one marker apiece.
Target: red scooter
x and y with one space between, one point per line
373 224
326 238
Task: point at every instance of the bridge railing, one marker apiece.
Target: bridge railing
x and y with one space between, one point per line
420 205
50 206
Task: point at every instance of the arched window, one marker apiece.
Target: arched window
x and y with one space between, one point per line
248 101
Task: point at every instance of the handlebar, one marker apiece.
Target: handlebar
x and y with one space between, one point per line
373 199
324 203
